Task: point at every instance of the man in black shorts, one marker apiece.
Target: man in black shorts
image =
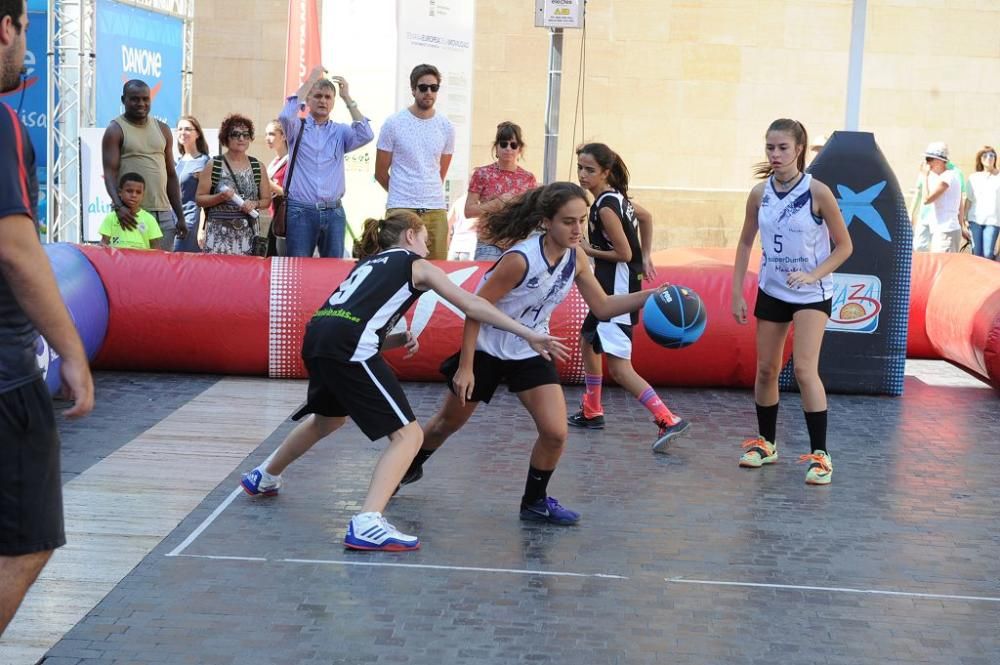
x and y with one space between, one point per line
31 518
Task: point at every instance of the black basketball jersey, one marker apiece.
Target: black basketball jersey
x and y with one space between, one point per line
354 321
617 277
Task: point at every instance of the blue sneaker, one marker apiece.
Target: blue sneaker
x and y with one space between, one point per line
255 484
371 532
548 510
668 433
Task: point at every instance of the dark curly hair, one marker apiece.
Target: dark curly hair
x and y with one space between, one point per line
231 122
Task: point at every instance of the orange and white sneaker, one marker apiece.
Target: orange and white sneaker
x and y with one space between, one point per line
759 452
820 471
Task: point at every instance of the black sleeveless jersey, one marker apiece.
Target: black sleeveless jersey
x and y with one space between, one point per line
617 277
354 321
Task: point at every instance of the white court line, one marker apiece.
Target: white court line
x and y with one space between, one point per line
211 518
204 525
797 587
426 566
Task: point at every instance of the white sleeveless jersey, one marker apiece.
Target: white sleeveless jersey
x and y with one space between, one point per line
793 239
531 302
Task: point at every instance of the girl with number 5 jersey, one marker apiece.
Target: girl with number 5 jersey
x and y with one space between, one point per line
348 377
797 216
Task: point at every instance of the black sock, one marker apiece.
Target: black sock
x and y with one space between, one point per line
767 421
422 456
816 424
536 487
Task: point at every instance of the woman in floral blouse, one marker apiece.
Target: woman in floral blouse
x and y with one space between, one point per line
495 184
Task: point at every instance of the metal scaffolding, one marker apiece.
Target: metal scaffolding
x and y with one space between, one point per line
72 101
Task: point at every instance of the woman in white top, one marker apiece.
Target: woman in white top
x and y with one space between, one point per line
984 203
797 216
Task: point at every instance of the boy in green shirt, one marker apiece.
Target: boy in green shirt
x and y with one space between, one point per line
146 234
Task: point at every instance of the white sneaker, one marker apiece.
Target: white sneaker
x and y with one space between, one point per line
371 531
255 484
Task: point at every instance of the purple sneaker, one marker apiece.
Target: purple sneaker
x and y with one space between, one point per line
548 510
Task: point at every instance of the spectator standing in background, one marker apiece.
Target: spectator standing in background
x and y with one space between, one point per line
494 185
134 142
193 150
414 151
315 216
984 203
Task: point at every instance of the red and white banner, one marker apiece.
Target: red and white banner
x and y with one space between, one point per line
303 43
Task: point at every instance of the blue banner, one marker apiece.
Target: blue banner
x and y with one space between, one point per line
135 43
32 106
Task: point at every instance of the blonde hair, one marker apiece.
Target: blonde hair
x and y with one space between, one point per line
380 234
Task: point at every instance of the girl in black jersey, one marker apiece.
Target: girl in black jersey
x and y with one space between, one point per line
621 238
528 281
348 377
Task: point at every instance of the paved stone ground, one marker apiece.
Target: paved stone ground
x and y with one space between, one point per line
913 509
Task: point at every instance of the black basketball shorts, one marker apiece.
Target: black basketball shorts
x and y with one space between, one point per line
31 510
367 391
769 308
490 372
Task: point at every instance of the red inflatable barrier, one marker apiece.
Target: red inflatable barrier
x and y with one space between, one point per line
244 315
183 312
962 316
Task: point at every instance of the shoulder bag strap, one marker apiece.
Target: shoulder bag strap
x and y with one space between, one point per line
295 152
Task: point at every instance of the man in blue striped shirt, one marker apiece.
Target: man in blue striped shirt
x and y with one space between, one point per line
314 184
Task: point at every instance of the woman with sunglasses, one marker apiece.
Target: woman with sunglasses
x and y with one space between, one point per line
494 185
193 150
234 194
984 204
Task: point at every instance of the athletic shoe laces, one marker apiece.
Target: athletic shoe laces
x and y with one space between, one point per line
822 460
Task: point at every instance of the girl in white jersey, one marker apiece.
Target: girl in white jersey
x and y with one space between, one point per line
797 216
528 281
348 377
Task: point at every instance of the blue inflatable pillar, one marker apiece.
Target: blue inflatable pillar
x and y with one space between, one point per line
83 292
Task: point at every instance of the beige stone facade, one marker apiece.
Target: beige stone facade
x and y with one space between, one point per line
683 90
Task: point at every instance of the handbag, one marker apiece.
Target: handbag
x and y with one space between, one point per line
278 222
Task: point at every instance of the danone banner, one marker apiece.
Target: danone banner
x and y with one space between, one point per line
135 43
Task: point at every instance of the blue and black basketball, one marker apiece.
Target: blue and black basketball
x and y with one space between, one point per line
674 318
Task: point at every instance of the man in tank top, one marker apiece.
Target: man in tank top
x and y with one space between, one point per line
134 142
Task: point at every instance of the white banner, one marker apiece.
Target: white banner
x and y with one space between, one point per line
441 33
358 38
374 44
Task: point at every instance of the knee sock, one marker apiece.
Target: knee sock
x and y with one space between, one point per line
536 487
767 421
592 398
655 405
816 424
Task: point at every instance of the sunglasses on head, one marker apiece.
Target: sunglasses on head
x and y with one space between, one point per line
240 135
513 145
424 87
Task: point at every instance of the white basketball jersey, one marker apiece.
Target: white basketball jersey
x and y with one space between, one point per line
793 239
531 302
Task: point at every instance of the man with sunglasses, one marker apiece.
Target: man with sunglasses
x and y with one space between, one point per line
942 200
314 182
416 145
136 142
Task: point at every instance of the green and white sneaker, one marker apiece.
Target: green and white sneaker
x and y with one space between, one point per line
759 452
820 471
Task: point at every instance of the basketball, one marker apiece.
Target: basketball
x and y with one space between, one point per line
674 318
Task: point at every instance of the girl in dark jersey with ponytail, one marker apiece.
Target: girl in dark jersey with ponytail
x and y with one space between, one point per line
348 377
621 238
